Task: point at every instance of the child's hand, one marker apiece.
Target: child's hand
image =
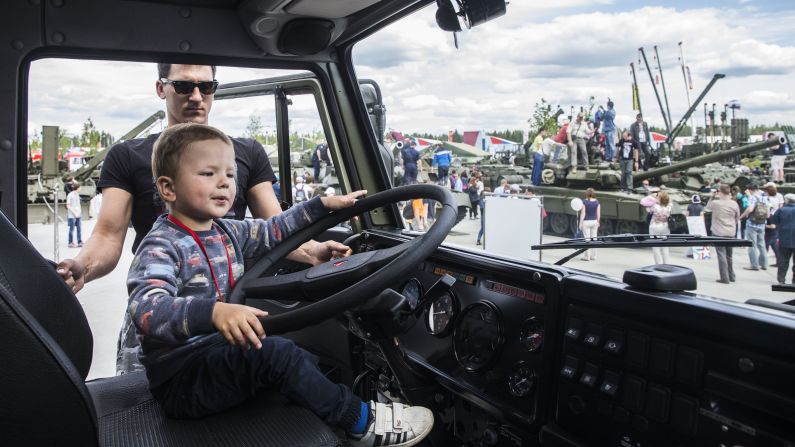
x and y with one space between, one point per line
339 202
239 324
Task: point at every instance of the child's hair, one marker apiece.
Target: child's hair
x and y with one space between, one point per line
663 198
590 193
173 141
74 186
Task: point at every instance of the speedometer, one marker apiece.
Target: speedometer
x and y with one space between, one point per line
478 336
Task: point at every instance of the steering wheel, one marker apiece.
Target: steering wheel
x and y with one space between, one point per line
367 273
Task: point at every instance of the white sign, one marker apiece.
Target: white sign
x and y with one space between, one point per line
695 225
512 225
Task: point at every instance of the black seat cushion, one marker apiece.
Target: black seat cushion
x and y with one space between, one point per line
129 416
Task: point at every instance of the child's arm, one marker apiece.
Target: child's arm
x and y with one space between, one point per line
258 236
154 305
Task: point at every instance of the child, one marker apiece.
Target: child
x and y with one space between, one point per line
628 157
74 212
181 276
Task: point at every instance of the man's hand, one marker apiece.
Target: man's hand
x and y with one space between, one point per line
239 324
72 270
339 202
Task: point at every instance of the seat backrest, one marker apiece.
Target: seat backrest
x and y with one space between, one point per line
45 351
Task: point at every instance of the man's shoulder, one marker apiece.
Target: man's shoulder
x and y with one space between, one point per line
134 145
239 143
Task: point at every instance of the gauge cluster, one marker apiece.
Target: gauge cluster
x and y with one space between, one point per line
480 336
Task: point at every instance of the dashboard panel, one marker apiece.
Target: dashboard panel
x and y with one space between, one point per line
559 357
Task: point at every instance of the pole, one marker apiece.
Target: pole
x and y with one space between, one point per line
662 81
55 241
687 90
636 91
656 93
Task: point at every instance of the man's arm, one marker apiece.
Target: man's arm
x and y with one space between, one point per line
102 250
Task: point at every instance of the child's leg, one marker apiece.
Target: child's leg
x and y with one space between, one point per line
225 376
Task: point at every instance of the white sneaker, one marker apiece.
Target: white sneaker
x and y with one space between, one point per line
394 425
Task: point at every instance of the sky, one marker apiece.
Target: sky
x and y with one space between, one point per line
564 51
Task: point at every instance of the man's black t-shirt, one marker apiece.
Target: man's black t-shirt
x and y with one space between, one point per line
128 166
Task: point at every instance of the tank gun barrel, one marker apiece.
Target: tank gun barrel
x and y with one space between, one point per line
85 172
707 158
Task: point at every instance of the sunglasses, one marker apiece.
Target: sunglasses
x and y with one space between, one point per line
186 87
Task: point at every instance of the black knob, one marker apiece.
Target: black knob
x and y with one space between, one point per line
576 404
490 436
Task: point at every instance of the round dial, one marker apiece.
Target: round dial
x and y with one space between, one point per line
522 381
412 290
478 336
441 314
531 335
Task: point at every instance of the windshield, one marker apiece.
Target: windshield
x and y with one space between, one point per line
569 119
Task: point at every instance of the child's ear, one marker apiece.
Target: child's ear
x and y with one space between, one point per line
165 187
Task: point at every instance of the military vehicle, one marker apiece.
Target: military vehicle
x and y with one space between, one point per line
43 189
503 351
692 174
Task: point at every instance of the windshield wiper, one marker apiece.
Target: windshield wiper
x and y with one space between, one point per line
640 241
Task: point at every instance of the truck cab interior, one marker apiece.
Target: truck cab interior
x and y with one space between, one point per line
504 352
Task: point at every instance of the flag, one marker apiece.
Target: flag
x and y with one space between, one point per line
635 97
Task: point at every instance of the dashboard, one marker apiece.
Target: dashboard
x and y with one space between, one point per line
542 355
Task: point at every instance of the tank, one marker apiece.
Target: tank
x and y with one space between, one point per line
693 173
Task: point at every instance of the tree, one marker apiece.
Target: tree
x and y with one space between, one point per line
255 130
90 137
544 118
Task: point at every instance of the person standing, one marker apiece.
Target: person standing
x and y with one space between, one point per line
640 133
474 198
724 222
628 158
660 212
695 208
562 137
441 161
579 132
504 189
776 201
538 157
590 216
757 212
411 157
73 213
778 155
784 220
455 182
609 130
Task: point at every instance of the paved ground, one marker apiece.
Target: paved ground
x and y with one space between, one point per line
105 300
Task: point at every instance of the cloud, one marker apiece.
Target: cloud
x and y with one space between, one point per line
564 51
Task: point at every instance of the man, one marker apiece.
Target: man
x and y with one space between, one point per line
129 193
784 220
725 220
321 153
579 132
628 158
411 157
757 212
776 201
640 133
609 130
562 137
778 154
441 161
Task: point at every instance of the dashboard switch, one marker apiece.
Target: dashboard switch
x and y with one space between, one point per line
661 361
589 376
634 393
684 414
569 370
614 343
574 329
593 336
638 350
610 383
657 400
